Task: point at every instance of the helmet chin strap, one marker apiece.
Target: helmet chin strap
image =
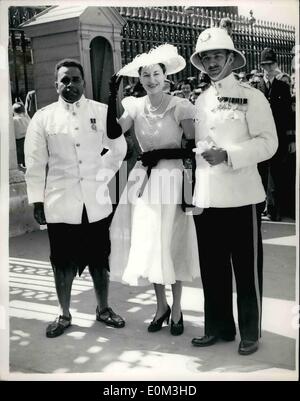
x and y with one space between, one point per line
222 74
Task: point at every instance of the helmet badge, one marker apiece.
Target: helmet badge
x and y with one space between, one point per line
205 37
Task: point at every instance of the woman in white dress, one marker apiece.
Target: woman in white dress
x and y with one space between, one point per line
152 239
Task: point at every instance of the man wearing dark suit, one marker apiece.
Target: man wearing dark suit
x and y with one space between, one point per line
272 171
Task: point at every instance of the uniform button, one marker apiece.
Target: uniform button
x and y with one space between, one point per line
81 179
76 128
77 144
74 114
80 161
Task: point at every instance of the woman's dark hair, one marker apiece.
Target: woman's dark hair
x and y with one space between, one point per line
69 62
163 67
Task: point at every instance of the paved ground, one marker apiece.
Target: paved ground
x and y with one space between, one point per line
131 353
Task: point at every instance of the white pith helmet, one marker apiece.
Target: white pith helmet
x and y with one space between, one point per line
215 39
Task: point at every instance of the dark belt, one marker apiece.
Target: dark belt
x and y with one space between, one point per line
151 158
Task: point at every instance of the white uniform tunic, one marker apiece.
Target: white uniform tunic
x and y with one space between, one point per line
246 131
63 149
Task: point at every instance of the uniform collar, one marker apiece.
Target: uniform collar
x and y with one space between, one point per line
225 85
72 106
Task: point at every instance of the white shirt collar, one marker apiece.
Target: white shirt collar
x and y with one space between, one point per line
71 106
225 85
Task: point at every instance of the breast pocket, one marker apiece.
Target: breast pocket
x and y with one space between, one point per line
59 140
56 127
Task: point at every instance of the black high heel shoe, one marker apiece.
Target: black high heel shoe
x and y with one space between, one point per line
155 325
177 328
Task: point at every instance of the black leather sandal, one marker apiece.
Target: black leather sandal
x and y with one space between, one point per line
57 328
109 317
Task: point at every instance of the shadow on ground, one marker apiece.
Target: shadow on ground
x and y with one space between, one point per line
90 346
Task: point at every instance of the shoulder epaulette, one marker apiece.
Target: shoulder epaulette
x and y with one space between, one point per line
49 106
245 85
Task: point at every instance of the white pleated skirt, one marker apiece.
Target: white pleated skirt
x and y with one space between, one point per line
152 239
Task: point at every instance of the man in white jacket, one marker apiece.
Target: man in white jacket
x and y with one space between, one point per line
234 130
64 157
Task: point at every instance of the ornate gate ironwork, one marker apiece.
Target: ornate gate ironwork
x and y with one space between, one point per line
150 26
19 52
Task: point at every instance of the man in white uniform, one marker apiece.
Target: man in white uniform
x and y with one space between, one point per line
63 150
234 130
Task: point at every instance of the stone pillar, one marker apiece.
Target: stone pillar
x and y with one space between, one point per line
86 63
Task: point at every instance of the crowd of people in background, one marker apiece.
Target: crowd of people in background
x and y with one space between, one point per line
191 87
188 88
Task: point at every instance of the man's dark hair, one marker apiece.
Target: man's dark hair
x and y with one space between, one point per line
163 67
186 82
69 62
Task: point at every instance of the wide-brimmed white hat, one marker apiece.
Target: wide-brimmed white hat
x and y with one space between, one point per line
165 54
214 39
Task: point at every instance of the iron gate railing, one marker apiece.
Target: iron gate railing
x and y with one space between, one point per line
20 64
150 26
19 52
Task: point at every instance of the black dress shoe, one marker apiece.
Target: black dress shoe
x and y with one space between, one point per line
177 328
155 325
205 341
247 347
